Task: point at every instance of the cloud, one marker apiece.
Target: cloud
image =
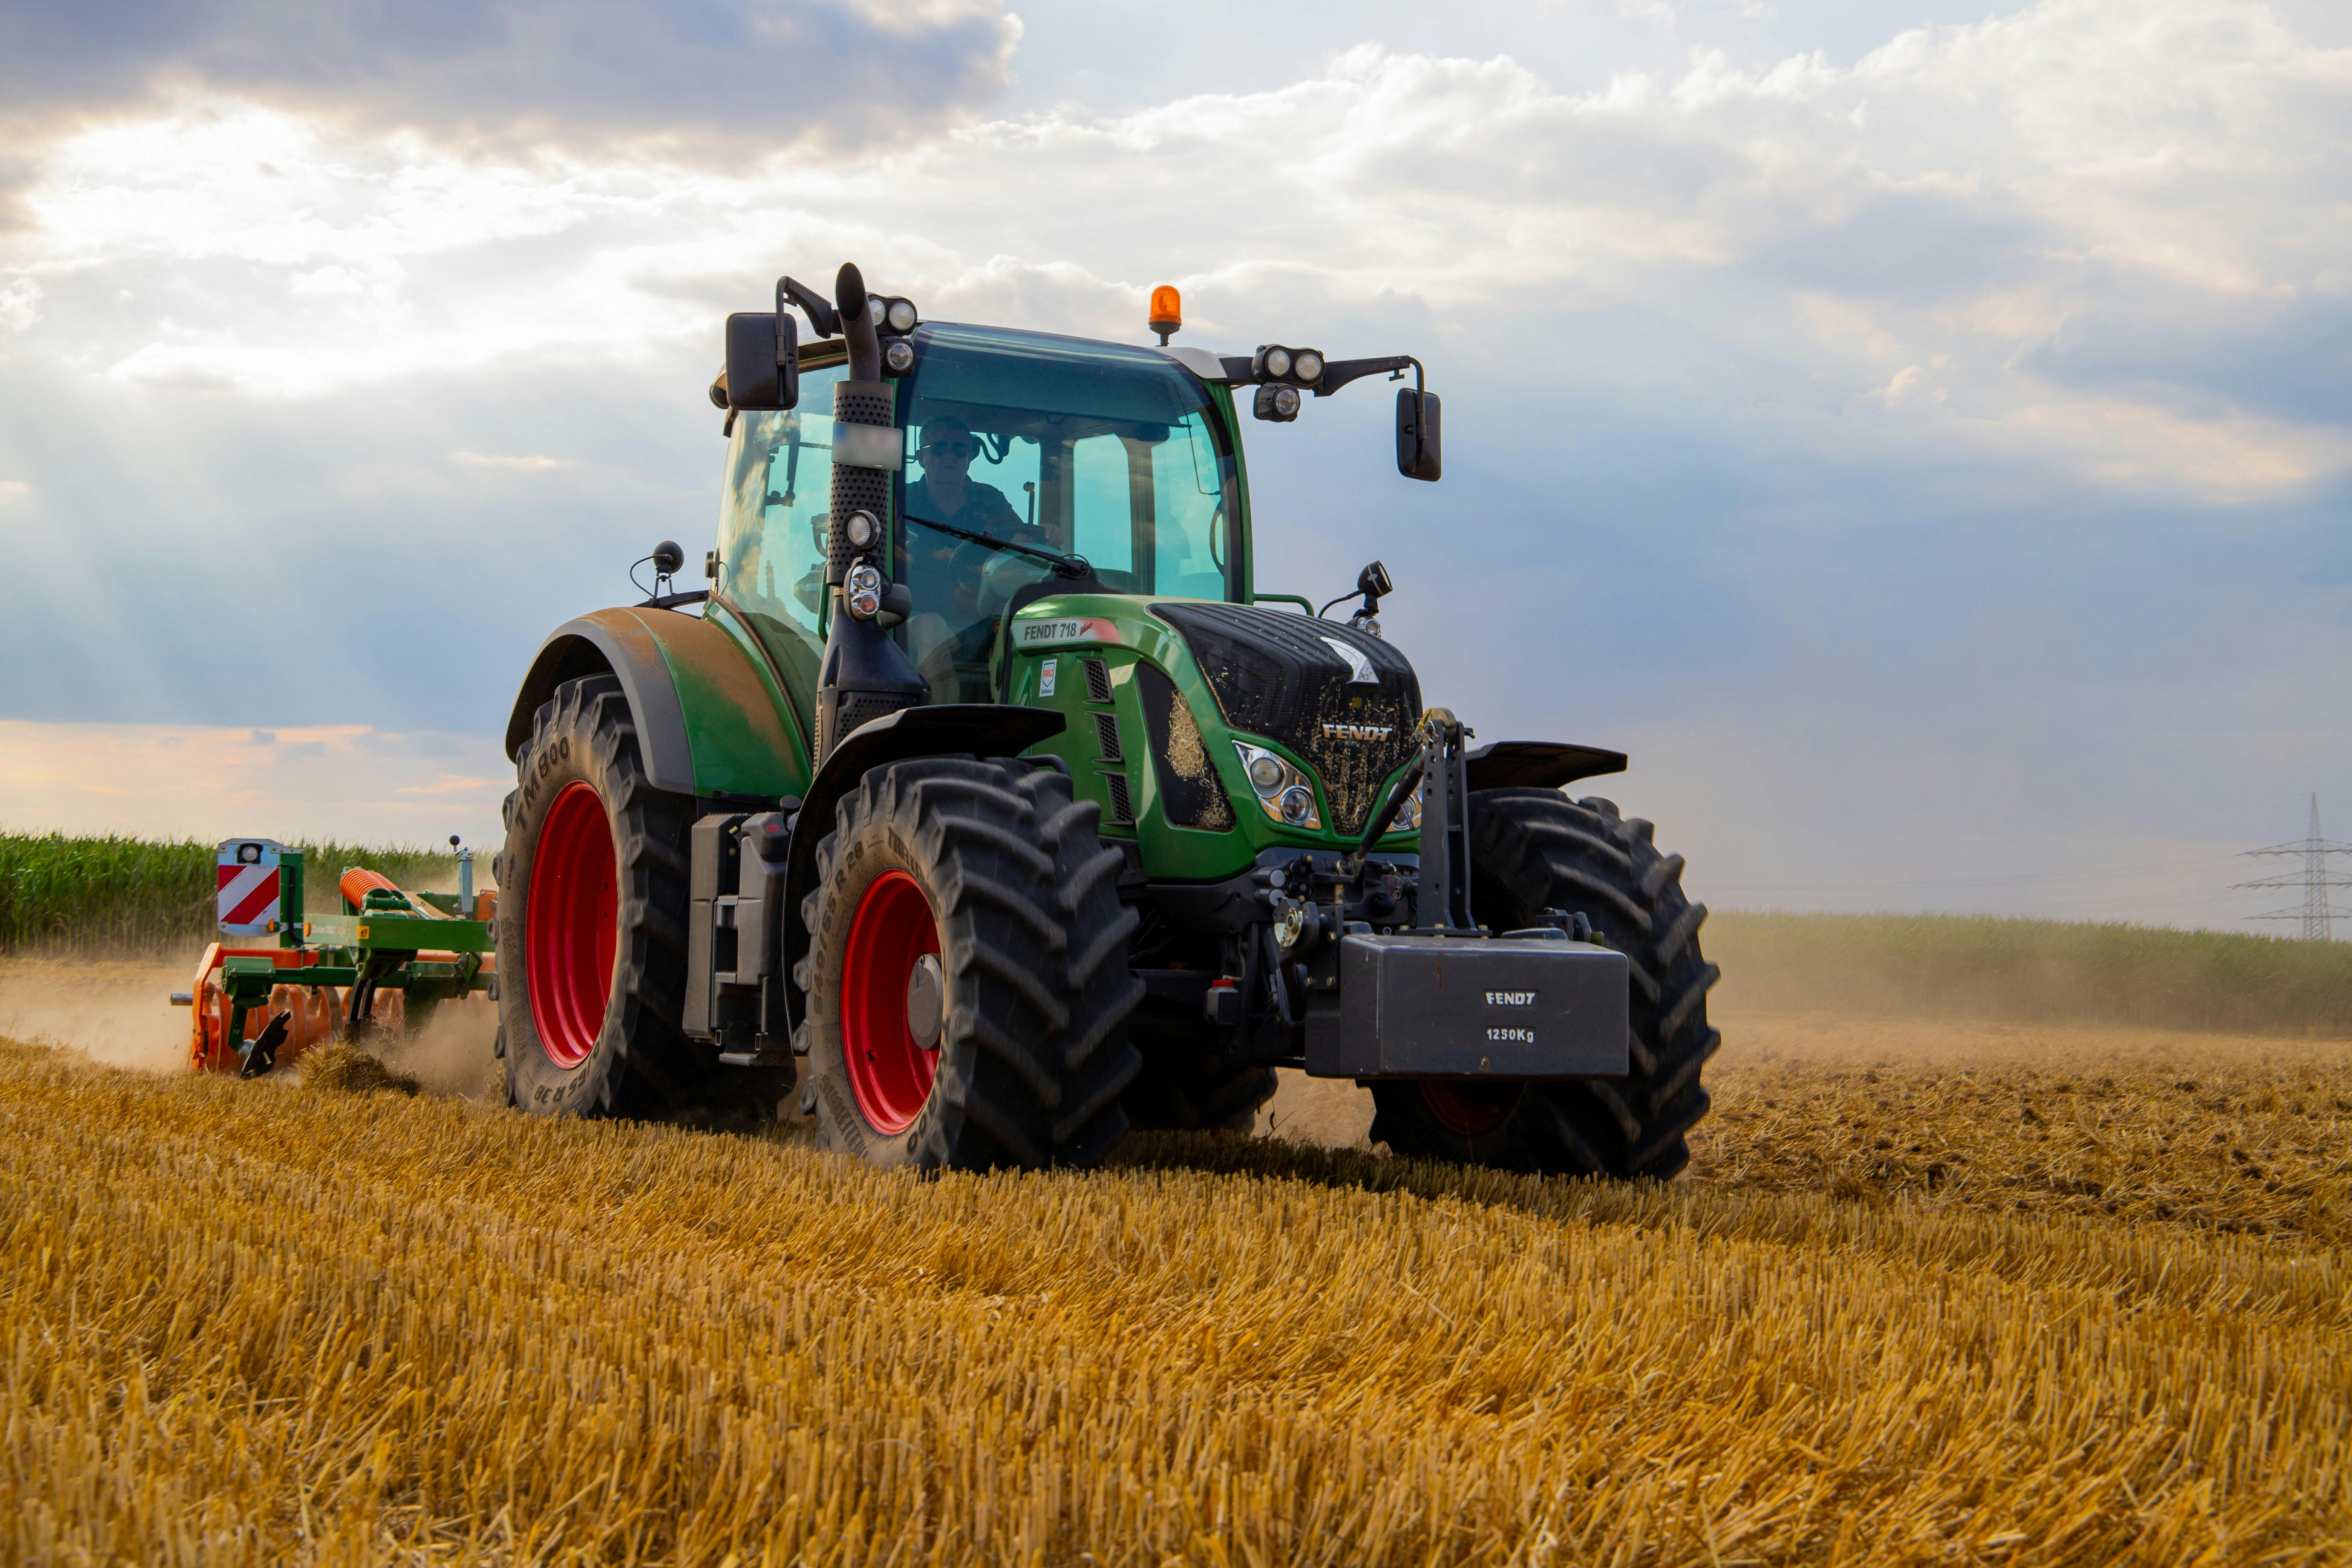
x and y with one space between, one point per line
719 81
2075 222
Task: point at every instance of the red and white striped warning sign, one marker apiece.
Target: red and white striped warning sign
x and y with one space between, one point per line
248 886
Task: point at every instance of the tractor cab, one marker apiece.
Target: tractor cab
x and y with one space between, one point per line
1017 446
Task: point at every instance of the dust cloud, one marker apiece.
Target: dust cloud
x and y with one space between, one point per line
451 1054
117 1011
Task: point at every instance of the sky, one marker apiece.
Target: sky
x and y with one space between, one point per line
1918 434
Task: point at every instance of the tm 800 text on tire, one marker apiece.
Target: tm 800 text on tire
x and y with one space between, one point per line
966 977
592 922
1533 850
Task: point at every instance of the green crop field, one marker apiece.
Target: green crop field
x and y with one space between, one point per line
137 896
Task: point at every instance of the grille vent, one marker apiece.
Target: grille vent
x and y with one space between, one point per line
1122 805
1097 681
1107 731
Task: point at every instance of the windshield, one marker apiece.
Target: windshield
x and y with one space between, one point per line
1089 448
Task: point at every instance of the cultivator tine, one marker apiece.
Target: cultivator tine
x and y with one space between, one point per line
262 1055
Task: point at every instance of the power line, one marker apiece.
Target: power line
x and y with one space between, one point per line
2314 849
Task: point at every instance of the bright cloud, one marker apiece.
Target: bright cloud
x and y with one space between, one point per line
1936 226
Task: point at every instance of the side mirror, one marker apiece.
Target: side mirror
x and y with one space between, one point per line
763 370
668 558
1418 429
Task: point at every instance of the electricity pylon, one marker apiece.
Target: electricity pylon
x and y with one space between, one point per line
2313 880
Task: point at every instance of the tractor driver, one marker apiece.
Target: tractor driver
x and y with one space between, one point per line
948 493
955 619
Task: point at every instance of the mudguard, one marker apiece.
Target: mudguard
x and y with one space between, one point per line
954 729
708 725
1538 765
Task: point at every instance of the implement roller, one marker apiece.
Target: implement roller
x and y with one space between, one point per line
386 962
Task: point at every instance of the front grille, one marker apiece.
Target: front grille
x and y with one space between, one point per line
1107 733
1275 675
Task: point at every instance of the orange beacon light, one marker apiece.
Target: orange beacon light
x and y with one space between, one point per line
1167 311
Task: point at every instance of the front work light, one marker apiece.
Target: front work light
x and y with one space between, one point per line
1279 403
863 590
891 314
899 357
1283 793
1298 367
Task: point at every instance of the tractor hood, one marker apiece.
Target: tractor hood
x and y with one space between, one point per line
1342 701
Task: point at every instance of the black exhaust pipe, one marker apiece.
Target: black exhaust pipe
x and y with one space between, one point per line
865 674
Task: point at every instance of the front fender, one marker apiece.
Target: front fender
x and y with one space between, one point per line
1538 765
706 723
954 728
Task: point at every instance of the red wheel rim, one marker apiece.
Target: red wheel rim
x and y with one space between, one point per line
1470 1107
888 1072
570 926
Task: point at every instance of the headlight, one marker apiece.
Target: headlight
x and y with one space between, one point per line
1283 793
863 588
861 529
899 356
1286 401
902 315
1408 817
1278 363
1308 364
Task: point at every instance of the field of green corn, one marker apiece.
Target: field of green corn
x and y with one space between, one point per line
134 897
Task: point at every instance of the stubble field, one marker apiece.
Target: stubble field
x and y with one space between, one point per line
1932 1291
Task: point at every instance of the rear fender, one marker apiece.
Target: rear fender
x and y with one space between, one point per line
708 725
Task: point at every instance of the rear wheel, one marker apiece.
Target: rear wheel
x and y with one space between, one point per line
966 974
591 927
1533 850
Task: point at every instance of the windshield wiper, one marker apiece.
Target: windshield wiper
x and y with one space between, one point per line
1071 566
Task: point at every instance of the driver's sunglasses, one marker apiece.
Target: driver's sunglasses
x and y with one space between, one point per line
951 447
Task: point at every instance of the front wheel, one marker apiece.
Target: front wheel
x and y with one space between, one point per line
966 974
1533 850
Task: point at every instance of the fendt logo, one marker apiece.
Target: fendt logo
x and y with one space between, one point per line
1510 998
1360 732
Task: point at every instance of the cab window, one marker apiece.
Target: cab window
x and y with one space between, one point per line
772 526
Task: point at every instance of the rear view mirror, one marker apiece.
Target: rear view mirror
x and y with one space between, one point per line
1418 428
764 368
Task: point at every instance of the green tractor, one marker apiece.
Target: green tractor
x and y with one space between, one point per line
986 811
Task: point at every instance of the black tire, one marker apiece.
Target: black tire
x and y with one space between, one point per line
637 1063
1030 940
1184 1089
1533 849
